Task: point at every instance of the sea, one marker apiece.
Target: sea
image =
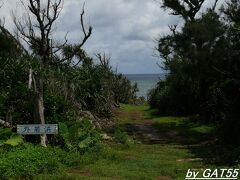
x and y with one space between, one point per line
145 82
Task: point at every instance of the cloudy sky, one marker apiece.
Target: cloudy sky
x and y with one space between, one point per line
124 29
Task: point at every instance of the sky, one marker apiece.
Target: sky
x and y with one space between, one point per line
126 30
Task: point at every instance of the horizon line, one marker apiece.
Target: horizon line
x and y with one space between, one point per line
142 73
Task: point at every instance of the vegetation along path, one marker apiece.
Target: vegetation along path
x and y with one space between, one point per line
154 148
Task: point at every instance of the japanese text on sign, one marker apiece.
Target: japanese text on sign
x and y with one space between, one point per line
37 129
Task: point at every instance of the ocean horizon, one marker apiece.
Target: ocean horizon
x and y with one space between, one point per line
145 82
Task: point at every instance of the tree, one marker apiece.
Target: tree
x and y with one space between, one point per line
37 32
187 9
190 55
202 60
229 83
11 55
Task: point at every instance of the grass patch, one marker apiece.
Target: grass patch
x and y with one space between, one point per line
29 160
144 162
170 159
129 107
149 161
176 120
204 129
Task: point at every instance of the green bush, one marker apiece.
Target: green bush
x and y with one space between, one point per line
29 160
56 108
8 138
202 73
122 137
80 136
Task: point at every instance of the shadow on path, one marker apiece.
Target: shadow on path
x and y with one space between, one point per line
204 146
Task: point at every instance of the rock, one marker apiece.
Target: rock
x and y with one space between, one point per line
106 137
88 115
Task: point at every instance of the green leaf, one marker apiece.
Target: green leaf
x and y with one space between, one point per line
5 133
63 130
14 140
85 143
2 142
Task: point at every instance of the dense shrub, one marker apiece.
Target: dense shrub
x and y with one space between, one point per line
203 67
80 137
121 136
28 160
9 138
67 90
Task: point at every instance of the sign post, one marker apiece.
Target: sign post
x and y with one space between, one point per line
36 129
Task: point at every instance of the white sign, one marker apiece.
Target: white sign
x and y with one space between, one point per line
37 129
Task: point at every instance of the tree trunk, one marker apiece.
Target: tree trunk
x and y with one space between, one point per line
5 123
39 107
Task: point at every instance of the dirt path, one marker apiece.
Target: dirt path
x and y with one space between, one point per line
159 150
145 129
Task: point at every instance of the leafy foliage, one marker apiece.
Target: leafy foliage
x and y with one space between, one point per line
80 137
7 137
28 161
50 83
68 89
202 61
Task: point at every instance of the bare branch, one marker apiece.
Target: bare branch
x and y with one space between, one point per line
45 17
58 48
86 35
104 60
76 50
173 28
215 5
1 3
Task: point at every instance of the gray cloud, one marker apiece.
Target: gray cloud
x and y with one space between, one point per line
126 29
